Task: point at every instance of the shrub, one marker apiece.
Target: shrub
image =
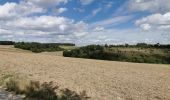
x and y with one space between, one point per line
71 95
33 90
45 91
12 85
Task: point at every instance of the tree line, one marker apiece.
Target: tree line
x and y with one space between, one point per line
143 45
108 53
7 43
38 47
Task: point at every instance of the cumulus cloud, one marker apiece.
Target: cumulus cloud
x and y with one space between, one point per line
5 11
46 25
155 21
12 10
19 21
149 5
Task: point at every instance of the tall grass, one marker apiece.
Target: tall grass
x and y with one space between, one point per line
34 90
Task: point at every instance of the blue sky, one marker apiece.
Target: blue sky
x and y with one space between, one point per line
86 21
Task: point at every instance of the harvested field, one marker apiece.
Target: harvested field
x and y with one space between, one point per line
102 80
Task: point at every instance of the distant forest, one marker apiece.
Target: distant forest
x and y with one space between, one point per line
37 47
7 43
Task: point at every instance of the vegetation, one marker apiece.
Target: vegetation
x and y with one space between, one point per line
40 47
141 53
7 43
33 90
143 45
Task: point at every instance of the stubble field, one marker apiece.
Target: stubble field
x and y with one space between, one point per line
102 80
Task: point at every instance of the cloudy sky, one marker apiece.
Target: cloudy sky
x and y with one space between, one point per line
86 21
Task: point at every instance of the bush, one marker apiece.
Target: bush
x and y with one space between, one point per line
12 85
45 91
67 94
33 90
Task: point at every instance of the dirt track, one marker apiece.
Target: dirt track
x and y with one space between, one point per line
102 80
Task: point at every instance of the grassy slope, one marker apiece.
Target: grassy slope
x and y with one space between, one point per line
68 47
149 55
144 50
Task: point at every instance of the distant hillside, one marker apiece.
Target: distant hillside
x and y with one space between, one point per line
140 53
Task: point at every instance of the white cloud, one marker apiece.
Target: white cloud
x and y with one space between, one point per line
59 10
99 28
13 10
145 26
149 5
155 21
46 3
96 11
86 2
5 10
130 36
112 21
17 21
46 25
24 8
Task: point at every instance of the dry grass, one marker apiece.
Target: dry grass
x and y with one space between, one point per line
34 90
102 80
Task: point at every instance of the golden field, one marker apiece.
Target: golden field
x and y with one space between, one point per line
102 80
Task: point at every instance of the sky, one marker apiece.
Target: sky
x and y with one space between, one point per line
86 22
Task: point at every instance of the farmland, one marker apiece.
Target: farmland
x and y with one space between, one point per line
102 80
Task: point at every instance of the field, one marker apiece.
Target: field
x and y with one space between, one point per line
102 80
10 48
